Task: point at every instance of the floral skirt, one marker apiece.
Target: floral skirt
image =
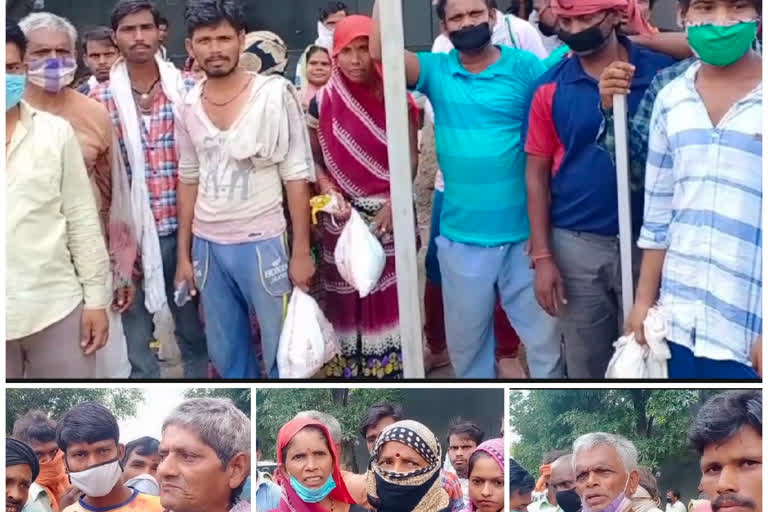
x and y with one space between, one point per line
368 328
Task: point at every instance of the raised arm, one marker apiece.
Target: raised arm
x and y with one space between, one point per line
412 65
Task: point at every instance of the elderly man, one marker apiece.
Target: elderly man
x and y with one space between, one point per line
52 60
21 469
559 485
217 436
605 466
56 319
728 436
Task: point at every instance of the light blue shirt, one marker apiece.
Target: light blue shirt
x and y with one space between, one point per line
478 127
704 196
267 494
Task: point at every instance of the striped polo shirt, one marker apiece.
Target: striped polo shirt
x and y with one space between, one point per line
478 124
703 206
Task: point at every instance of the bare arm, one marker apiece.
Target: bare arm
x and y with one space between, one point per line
412 66
299 193
650 277
187 196
674 44
538 180
413 134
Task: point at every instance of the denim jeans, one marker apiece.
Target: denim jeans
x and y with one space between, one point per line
471 277
235 281
139 327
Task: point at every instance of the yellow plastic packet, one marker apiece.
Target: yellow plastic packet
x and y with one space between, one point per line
318 204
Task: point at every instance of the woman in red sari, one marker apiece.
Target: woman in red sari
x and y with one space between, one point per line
349 141
308 470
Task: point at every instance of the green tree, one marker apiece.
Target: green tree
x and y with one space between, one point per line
240 397
56 401
655 420
278 406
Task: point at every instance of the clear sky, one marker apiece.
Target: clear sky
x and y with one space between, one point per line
151 413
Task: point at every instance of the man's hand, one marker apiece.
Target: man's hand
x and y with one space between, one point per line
634 324
185 271
382 223
95 330
301 270
69 498
549 288
124 298
616 79
343 209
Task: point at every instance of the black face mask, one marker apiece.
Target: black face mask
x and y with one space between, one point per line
471 39
568 500
587 40
547 30
399 498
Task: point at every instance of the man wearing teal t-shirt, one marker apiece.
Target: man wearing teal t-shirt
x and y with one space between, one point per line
480 94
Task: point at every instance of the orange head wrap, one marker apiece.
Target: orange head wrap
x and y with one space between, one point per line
53 478
636 21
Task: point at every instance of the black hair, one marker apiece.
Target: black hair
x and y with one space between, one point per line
143 446
724 415
311 428
207 13
440 7
685 4
125 8
675 493
88 422
162 20
378 412
553 455
314 49
100 34
34 426
332 8
520 480
14 34
477 455
459 427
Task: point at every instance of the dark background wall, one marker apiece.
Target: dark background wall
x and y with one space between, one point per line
293 20
436 407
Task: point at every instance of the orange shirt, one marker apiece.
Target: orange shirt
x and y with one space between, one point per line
138 503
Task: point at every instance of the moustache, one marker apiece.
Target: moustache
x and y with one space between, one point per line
140 46
733 500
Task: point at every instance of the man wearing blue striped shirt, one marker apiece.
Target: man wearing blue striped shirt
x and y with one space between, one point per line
702 231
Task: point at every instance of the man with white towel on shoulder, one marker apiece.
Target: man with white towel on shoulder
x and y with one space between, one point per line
141 97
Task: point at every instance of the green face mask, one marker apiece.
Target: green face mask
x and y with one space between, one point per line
720 45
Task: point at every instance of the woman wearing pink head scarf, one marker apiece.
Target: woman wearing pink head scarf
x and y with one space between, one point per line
486 477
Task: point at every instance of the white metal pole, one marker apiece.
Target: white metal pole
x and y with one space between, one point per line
625 215
401 187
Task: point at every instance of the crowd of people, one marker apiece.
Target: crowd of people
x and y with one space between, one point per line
600 473
408 469
78 463
153 186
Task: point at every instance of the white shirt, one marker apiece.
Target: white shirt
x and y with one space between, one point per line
677 507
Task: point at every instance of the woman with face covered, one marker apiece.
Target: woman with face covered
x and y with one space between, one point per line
486 477
308 470
404 473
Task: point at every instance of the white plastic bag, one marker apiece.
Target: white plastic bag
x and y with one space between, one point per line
359 256
307 341
634 361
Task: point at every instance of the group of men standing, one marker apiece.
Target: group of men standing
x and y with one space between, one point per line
78 464
600 473
190 181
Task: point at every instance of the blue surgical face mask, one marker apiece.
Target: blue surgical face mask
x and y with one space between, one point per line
14 90
308 495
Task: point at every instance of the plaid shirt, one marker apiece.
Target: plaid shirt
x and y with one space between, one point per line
638 125
160 154
452 486
703 207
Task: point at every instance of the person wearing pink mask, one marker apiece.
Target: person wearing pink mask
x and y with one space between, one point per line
606 470
51 60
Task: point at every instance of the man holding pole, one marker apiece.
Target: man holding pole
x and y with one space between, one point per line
702 234
480 96
572 184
